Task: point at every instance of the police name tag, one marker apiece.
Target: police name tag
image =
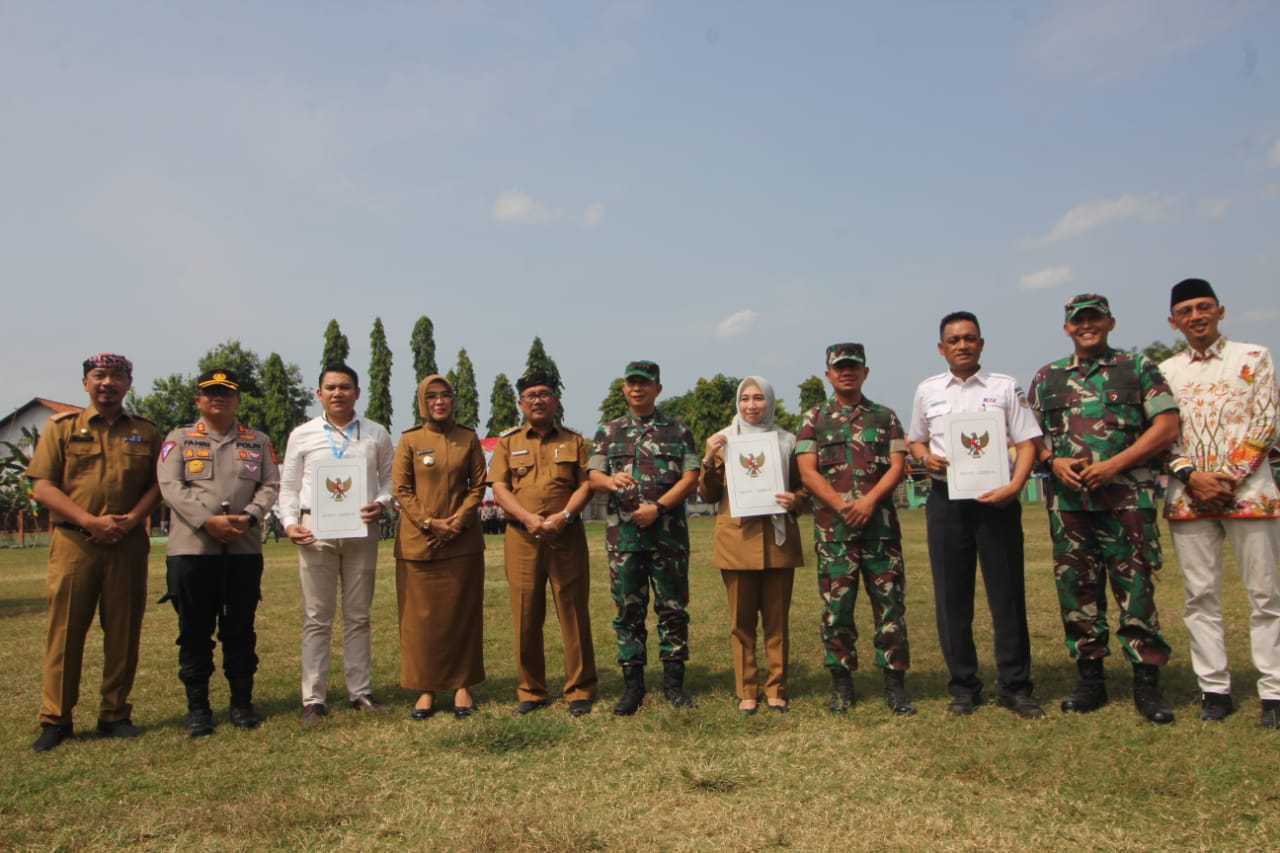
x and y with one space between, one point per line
338 491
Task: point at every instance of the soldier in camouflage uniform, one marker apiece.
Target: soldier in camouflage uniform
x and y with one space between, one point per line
851 453
1105 413
649 465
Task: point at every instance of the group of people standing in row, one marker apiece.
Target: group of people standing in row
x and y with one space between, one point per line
1103 422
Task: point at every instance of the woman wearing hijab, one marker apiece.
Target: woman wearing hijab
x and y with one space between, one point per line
756 555
438 476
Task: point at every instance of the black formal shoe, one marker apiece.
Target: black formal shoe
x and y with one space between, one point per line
528 706
118 728
244 717
199 722
368 703
1270 714
422 713
313 713
778 709
749 712
1215 707
464 711
580 707
51 734
1021 704
964 704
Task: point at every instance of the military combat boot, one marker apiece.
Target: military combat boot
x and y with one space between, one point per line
1147 697
242 713
673 684
632 690
199 715
1091 690
895 693
841 690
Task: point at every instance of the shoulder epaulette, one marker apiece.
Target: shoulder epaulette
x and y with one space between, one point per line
141 418
464 426
507 432
62 416
412 429
568 429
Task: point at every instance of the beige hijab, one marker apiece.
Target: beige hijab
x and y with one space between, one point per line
422 402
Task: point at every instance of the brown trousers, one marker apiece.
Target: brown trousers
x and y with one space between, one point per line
84 578
441 606
768 593
530 564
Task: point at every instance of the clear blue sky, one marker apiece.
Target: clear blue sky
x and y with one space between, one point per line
721 187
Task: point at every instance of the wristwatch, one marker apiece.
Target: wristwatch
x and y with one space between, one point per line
1184 473
568 517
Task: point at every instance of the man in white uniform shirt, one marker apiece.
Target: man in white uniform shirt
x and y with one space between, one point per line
1221 487
324 564
987 529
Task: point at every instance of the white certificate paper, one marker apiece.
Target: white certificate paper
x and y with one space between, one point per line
337 493
754 473
977 454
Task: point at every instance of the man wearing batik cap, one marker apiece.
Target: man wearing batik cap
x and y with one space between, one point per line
649 465
220 479
539 477
1105 414
1222 488
851 453
96 472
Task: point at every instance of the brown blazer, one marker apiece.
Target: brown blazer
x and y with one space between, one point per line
435 474
748 543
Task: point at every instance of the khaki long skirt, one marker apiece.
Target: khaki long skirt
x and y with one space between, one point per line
441 622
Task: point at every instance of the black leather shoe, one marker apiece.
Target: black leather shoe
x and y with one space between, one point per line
199 722
580 707
749 712
313 713
1021 704
778 709
841 690
1215 707
964 704
895 693
368 703
51 735
463 711
244 717
1147 697
528 706
1090 693
118 728
422 713
1270 714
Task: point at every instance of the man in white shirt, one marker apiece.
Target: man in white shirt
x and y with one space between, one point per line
1221 487
325 563
987 529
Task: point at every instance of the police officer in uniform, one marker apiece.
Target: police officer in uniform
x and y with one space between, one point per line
1105 413
539 477
96 472
649 465
220 479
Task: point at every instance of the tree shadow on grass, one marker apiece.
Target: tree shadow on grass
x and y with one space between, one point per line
22 606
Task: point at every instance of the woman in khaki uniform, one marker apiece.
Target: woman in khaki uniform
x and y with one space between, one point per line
756 555
438 477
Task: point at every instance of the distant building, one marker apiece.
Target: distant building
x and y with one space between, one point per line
31 416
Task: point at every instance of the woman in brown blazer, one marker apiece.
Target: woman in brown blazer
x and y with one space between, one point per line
438 477
756 555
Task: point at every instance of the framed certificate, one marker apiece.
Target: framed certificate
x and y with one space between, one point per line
977 454
754 473
337 493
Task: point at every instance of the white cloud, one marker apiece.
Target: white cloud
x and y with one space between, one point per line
515 205
1047 278
1092 214
736 324
594 213
1275 154
1214 208
1259 315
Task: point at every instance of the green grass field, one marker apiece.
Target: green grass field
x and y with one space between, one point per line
662 780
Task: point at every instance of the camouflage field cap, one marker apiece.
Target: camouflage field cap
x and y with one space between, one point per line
217 378
846 352
1076 304
647 369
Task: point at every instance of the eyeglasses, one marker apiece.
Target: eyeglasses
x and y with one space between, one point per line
531 396
437 395
1199 308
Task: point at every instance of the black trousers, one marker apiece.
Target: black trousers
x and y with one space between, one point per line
215 592
962 534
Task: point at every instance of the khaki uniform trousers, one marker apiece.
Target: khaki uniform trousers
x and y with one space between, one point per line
84 578
766 592
530 563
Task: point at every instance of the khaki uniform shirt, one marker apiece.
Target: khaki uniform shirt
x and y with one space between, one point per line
199 469
542 472
435 474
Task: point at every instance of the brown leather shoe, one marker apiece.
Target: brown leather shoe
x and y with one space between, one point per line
368 703
313 713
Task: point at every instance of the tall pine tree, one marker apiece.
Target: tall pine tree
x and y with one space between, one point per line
284 400
336 346
379 408
423 344
503 412
466 403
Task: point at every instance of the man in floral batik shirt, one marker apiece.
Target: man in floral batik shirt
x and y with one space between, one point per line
1222 487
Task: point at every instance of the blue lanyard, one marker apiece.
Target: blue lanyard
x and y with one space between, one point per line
346 438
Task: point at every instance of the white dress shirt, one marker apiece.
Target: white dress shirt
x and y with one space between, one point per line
315 441
948 394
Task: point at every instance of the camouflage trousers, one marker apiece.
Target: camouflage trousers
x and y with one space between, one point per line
879 562
1088 549
630 575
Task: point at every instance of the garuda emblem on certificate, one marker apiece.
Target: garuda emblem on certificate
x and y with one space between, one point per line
975 445
338 489
751 463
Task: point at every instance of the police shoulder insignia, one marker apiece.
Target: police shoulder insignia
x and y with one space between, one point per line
166 448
